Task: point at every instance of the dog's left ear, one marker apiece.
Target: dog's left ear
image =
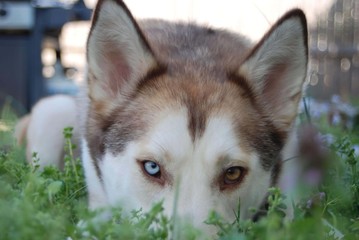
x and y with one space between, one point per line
118 54
277 67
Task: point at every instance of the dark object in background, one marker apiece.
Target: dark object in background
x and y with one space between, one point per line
313 153
23 27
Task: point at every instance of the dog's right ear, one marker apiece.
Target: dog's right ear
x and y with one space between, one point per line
276 69
118 54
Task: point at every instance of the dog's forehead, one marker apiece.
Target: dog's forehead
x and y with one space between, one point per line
195 112
171 137
198 93
186 109
189 104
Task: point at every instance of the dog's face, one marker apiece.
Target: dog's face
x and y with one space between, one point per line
188 115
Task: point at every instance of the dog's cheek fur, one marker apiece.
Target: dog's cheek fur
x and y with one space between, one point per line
126 184
96 193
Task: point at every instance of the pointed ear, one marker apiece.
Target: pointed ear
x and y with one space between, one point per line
277 67
118 54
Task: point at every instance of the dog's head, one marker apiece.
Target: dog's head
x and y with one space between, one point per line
181 108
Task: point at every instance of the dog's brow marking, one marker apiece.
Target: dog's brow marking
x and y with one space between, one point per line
196 121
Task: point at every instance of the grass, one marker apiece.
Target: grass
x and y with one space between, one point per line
51 204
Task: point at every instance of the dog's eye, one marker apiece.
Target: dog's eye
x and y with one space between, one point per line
152 168
233 175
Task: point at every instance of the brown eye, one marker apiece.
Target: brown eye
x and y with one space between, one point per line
233 175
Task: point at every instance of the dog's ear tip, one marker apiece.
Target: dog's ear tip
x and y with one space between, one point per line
298 14
296 19
295 13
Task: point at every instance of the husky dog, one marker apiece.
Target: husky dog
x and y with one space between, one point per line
174 107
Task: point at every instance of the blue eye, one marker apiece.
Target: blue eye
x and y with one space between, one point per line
152 168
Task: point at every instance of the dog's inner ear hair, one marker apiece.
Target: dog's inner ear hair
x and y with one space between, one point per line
277 67
117 52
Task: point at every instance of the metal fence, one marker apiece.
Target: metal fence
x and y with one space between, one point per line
335 52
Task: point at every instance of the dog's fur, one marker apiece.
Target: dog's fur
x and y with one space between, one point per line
194 100
42 130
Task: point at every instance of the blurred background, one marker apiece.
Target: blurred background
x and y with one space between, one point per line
42 42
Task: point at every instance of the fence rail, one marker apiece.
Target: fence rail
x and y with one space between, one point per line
335 52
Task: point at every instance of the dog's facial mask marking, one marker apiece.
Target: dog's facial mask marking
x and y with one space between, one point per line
157 116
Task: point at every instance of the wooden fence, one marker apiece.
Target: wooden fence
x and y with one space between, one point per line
334 47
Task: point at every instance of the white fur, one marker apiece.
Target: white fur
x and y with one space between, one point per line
195 165
44 134
97 196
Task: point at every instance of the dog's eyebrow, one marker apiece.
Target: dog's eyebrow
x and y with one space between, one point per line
150 155
227 161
